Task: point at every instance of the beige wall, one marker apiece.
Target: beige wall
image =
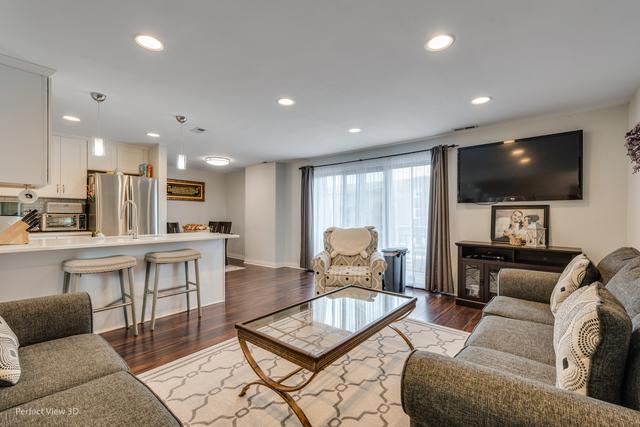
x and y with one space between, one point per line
260 215
214 206
633 206
235 211
597 224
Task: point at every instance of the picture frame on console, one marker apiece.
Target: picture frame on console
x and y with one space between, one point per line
509 220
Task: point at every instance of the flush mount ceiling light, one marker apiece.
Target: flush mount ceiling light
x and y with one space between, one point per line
481 100
509 141
439 42
148 42
153 134
71 118
217 161
98 142
355 130
287 102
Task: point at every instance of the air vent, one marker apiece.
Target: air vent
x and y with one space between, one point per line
465 128
198 130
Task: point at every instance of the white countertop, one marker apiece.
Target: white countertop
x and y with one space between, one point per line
56 243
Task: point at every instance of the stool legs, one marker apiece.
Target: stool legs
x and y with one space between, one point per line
123 298
146 291
155 296
186 284
197 265
65 282
133 305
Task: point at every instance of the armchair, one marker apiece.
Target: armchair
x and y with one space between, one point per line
350 257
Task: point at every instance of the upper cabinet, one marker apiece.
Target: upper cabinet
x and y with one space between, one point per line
68 166
24 122
124 157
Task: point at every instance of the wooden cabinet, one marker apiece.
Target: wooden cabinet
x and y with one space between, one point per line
68 169
125 157
24 122
479 264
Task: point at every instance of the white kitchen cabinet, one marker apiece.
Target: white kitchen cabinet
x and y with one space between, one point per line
68 168
105 163
24 122
130 157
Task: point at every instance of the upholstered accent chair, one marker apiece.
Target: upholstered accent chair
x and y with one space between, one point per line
350 257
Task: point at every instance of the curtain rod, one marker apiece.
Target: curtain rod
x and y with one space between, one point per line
375 158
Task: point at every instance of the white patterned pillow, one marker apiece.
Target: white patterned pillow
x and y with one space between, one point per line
9 362
591 337
571 279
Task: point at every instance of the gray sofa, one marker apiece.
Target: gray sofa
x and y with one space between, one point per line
69 375
505 374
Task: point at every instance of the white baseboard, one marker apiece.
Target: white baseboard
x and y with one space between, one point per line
270 264
235 256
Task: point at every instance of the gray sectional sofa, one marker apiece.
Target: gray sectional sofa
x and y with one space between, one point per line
505 374
69 375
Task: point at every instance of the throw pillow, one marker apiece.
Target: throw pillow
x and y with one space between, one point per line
9 362
591 338
578 272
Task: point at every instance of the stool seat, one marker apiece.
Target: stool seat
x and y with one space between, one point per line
99 265
170 257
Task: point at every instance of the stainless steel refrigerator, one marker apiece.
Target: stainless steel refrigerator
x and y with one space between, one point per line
109 212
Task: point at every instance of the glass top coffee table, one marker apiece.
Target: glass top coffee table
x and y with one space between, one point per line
315 333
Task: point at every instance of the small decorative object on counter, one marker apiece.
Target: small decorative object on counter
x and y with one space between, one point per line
536 235
194 228
17 233
516 240
633 147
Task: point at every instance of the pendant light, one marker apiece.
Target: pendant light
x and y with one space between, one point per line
98 142
181 162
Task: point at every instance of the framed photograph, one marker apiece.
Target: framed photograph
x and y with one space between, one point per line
514 219
179 189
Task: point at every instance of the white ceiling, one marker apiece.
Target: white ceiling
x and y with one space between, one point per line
347 63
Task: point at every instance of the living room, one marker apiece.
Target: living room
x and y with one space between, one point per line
405 213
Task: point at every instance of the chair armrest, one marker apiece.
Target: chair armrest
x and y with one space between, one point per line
377 264
321 262
48 318
440 390
527 284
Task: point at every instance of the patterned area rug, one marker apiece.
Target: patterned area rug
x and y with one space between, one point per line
360 389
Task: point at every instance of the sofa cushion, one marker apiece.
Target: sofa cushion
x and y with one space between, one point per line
518 337
349 241
574 275
591 340
9 360
613 262
514 308
118 399
625 286
52 366
509 363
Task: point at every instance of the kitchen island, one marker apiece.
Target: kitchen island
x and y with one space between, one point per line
35 269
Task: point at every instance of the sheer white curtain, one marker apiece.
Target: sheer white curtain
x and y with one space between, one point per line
391 194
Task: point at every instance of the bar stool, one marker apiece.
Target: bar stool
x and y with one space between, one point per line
170 257
75 268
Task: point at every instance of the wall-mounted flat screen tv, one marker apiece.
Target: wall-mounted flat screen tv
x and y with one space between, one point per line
545 167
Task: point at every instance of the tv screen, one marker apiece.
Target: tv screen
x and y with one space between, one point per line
545 167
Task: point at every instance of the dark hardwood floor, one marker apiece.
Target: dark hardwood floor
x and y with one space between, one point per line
250 293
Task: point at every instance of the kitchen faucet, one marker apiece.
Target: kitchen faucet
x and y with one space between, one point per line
132 232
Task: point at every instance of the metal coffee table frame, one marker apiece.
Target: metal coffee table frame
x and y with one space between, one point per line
305 360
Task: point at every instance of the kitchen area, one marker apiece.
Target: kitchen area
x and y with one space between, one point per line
71 197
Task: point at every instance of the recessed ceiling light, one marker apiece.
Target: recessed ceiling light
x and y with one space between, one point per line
480 100
509 141
287 102
355 130
217 161
153 134
149 42
439 42
71 118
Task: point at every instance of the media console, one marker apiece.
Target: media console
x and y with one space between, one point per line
480 262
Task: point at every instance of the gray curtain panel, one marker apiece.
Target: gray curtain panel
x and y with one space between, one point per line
439 275
306 220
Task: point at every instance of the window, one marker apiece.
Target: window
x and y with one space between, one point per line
391 194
